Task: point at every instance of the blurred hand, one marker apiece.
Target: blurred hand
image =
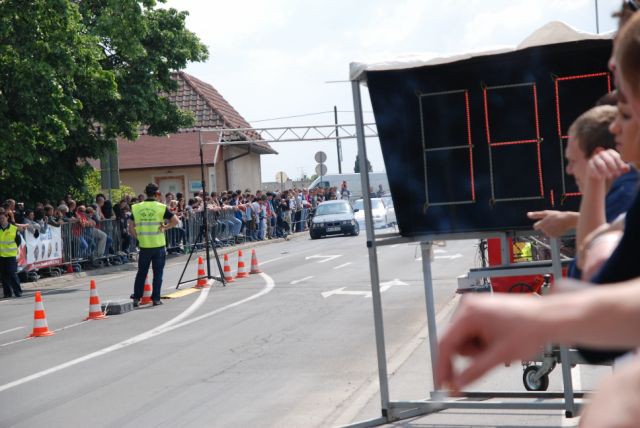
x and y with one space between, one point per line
553 223
489 330
606 165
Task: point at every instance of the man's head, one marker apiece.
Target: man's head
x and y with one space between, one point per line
151 190
4 220
588 135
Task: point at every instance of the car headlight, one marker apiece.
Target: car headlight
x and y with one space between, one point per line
353 222
346 222
318 225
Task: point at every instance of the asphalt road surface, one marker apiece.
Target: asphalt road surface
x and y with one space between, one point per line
291 347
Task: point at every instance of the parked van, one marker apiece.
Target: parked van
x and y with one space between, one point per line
353 183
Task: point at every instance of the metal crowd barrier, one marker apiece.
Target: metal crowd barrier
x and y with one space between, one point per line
81 245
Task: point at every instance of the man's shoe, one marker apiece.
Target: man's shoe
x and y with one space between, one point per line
157 302
136 303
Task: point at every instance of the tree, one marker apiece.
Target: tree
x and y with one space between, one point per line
74 75
356 167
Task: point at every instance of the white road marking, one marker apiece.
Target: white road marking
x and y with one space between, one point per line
9 331
300 280
326 258
384 286
163 328
342 265
452 257
439 251
341 290
272 260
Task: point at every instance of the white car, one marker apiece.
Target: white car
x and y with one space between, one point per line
382 211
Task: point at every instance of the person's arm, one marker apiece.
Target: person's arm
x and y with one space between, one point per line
554 223
603 167
494 329
173 221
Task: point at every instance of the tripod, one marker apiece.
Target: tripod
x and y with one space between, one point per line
204 231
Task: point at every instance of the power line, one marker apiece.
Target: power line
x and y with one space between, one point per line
304 115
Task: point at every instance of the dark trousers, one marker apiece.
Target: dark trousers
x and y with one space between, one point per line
154 257
10 280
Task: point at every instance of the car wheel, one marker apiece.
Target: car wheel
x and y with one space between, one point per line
314 236
356 229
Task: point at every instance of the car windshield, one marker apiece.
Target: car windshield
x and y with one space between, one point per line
375 204
324 209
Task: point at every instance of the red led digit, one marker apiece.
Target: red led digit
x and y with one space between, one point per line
563 137
468 145
493 144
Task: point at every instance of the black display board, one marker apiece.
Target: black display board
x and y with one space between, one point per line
473 145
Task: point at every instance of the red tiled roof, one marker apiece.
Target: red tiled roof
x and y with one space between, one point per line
210 108
173 151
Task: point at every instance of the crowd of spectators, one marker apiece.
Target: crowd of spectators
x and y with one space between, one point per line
98 230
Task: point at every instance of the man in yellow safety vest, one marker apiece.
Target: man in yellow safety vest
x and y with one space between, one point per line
9 243
148 226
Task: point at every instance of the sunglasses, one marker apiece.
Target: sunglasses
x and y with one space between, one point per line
632 5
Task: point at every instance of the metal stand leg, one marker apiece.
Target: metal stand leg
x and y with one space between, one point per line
425 248
570 408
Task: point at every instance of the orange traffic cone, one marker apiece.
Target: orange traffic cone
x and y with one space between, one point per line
228 277
69 268
254 263
146 292
202 276
242 270
40 327
95 311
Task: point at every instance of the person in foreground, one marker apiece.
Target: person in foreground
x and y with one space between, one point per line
148 226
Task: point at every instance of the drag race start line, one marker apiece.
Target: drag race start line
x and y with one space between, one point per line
170 325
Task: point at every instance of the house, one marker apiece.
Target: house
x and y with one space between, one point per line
173 162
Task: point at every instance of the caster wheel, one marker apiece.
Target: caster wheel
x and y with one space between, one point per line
530 383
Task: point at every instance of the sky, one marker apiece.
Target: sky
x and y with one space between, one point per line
286 62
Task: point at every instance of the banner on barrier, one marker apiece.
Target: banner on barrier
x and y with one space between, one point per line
41 251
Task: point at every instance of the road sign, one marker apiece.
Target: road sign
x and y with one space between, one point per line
320 157
281 176
321 169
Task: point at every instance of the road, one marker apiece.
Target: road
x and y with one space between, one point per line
291 347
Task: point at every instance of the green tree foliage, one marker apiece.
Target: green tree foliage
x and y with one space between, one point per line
74 75
91 186
356 167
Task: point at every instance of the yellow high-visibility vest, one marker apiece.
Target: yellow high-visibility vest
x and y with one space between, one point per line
148 216
8 247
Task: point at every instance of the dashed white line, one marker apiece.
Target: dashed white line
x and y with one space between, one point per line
297 281
272 260
9 331
342 265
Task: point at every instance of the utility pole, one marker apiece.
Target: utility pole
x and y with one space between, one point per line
338 147
597 19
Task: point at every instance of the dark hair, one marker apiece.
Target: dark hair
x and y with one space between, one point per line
107 209
151 189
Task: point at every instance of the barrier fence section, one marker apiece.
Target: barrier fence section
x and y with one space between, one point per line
75 244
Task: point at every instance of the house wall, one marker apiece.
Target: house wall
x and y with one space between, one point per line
138 179
244 172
